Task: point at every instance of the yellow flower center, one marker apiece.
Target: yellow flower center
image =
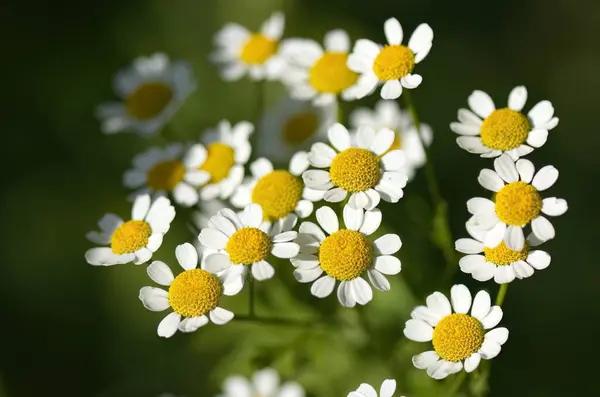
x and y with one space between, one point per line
219 160
300 127
277 193
505 129
148 100
345 254
258 48
518 203
130 237
165 175
355 170
330 73
195 292
457 336
502 255
248 245
394 62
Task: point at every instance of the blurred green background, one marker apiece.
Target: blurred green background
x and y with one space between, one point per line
70 329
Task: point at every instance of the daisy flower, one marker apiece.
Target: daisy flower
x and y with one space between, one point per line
169 170
264 383
505 130
317 74
233 243
194 294
366 168
345 254
240 52
387 114
227 151
152 90
291 126
459 339
278 192
388 387
393 64
517 203
134 240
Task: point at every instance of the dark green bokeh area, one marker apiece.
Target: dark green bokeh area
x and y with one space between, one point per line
70 329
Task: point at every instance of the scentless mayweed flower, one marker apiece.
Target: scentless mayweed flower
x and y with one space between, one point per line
345 254
366 168
388 387
391 65
240 52
490 132
517 203
317 74
134 240
278 192
152 90
387 114
459 339
264 383
234 243
194 294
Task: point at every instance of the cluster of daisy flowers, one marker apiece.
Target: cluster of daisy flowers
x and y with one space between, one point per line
304 197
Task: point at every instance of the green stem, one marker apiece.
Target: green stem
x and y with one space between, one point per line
455 388
501 294
340 114
251 312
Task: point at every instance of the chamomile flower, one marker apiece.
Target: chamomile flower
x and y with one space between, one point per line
291 126
517 203
500 263
240 52
194 294
365 168
227 151
264 383
170 170
234 243
392 64
317 74
346 254
134 240
278 192
388 387
152 90
489 132
387 114
459 339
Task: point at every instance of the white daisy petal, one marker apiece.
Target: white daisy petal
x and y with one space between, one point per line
425 314
353 217
185 195
481 103
387 244
504 274
141 206
472 144
383 141
537 137
323 287
142 255
285 250
212 238
538 259
554 206
467 117
461 298
522 269
421 38
493 317
517 98
361 290
335 195
192 324
393 31
387 264
378 280
168 326
489 349
506 169
252 216
425 360
468 246
526 170
439 304
392 89
541 113
316 178
495 235
339 137
367 390
388 387
545 178
471 263
481 305
160 273
465 129
418 331
313 230
490 180
345 295
371 222
542 228
327 219
411 81
154 299
220 316
337 41
472 362
498 335
109 223
514 238
478 204
307 275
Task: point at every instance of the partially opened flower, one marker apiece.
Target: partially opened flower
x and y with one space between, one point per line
264 383
388 387
317 74
344 255
193 295
391 65
234 243
240 52
152 90
134 240
460 340
517 203
490 132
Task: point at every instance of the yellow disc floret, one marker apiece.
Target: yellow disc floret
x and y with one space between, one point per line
258 48
148 100
277 193
505 129
130 237
300 127
345 254
518 203
219 160
248 245
195 292
394 62
502 255
165 175
330 73
355 170
457 336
